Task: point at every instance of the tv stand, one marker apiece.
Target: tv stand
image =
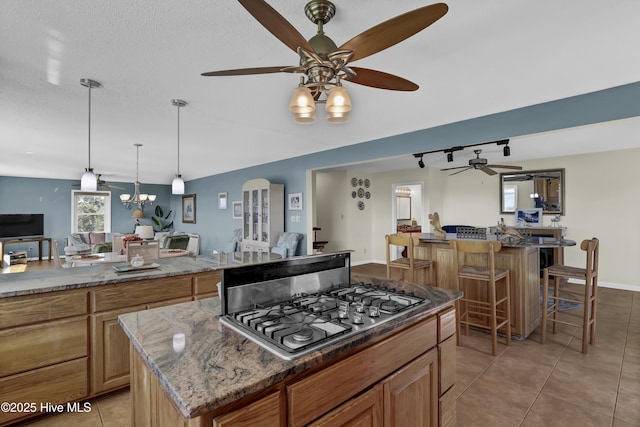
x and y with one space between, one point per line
39 240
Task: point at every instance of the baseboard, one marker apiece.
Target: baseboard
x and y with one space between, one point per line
620 286
369 261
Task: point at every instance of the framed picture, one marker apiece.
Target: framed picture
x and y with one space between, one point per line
222 200
295 201
529 217
189 209
237 210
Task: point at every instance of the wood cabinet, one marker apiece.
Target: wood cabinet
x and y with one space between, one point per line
44 351
262 215
68 345
396 381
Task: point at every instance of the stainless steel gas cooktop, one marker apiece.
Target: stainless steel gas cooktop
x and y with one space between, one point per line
308 310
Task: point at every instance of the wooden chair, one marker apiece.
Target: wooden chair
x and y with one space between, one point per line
148 249
590 276
408 263
481 306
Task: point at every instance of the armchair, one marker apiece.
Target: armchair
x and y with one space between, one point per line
287 244
176 241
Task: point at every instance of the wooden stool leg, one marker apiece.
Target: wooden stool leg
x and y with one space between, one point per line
545 301
556 302
594 298
494 321
586 315
508 310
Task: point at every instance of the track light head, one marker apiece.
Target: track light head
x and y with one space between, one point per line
506 151
450 157
421 163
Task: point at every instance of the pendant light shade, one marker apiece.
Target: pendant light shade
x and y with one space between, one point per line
89 180
177 185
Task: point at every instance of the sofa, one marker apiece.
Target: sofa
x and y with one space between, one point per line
88 242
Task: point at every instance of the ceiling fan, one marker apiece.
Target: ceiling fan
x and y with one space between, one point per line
322 61
481 164
102 184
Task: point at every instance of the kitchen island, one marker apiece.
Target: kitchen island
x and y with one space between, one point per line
60 340
520 257
190 370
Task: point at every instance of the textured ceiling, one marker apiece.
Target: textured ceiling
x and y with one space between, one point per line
482 57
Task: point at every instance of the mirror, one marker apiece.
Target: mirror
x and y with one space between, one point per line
403 206
532 189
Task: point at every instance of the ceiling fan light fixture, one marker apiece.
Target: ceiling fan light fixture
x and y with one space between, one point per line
337 117
305 118
338 100
302 102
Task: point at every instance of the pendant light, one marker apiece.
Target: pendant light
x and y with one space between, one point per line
89 180
177 186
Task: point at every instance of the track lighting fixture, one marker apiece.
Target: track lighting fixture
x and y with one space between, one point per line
450 156
506 151
421 163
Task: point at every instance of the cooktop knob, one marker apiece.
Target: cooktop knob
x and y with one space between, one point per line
357 319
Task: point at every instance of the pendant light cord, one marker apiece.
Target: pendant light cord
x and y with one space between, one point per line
89 139
178 139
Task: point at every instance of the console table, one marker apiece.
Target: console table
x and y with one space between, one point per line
3 243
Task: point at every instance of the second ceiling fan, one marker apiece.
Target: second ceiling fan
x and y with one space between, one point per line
322 61
482 164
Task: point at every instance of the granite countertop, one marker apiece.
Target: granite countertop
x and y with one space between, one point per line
542 242
34 282
203 365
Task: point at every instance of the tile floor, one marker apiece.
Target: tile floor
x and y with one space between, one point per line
527 384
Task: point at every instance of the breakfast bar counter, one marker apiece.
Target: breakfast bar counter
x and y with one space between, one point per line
520 257
184 358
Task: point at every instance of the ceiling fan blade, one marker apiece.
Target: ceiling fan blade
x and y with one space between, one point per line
245 71
518 168
276 24
457 167
488 170
380 80
466 168
110 186
394 30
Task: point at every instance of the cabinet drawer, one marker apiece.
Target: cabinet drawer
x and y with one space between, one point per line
206 282
31 347
446 324
447 409
314 396
447 363
144 291
56 384
28 309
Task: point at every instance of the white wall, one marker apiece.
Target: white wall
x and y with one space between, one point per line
601 201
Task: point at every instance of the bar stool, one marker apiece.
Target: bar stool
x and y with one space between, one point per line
409 263
590 276
473 310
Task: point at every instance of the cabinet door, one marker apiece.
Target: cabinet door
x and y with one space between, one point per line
246 215
264 413
109 351
362 411
411 394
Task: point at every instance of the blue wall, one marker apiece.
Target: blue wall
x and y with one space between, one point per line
52 197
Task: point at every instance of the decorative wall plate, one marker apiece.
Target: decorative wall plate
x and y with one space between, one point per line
361 205
360 193
367 195
354 194
360 182
367 183
354 182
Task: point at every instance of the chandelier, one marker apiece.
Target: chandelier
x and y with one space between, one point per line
137 198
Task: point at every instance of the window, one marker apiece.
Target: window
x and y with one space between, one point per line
91 211
509 197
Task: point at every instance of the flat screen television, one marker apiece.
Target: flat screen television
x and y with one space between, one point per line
529 217
17 226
